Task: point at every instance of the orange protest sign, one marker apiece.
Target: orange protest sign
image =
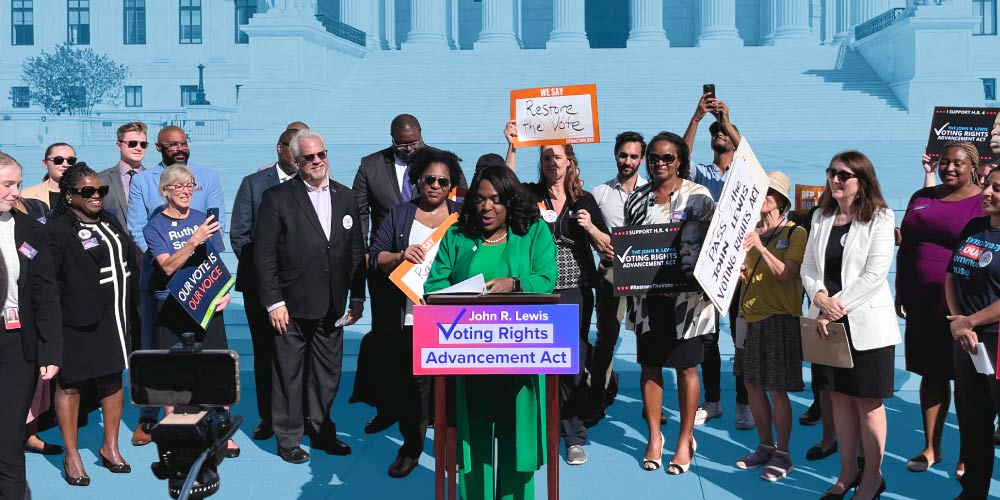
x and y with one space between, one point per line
410 277
457 194
555 115
806 197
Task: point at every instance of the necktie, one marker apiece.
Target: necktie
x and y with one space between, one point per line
407 190
128 180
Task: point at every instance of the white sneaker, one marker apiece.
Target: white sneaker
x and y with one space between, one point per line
575 455
708 410
744 418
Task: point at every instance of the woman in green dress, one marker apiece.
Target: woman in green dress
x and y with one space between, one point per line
501 236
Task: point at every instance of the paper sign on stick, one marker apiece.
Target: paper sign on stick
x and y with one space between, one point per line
736 214
965 124
410 277
555 115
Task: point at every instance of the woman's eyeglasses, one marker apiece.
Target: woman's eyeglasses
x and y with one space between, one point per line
654 159
840 175
431 180
132 144
90 191
58 160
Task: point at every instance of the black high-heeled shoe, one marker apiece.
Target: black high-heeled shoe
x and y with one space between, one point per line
120 468
878 494
840 496
83 480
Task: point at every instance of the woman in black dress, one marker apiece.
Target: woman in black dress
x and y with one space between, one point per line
94 260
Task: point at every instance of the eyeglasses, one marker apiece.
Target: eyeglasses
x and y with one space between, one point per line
190 186
285 144
407 146
174 145
841 175
90 191
430 180
58 160
312 156
132 144
654 159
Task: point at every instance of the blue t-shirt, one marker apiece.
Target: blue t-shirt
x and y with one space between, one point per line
975 268
165 235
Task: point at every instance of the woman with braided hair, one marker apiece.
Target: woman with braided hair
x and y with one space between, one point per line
930 231
94 261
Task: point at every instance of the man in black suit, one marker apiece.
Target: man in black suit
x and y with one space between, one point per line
309 250
132 146
32 346
380 184
241 237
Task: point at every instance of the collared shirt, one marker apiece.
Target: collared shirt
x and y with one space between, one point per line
320 199
8 248
708 175
282 176
127 172
611 198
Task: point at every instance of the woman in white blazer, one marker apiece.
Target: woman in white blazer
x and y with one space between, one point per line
844 273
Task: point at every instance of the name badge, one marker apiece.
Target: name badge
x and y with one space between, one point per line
27 250
11 319
782 244
677 215
89 243
920 207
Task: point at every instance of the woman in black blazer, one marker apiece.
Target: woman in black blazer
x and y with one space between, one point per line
398 240
34 347
94 260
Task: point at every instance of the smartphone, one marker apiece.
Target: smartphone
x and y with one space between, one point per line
164 378
214 212
708 88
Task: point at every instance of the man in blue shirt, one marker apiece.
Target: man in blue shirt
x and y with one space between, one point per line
725 138
144 201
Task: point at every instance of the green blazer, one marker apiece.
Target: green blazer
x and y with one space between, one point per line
532 259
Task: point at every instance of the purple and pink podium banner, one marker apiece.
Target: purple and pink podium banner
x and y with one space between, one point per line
496 340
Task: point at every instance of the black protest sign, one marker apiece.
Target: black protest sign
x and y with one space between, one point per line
647 259
966 125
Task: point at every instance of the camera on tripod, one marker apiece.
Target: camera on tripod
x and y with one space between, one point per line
191 441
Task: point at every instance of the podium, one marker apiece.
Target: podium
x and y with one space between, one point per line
445 442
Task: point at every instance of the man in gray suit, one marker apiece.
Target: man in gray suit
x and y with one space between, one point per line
132 145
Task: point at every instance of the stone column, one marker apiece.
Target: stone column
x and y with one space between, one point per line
767 22
646 20
428 25
498 26
791 21
718 24
844 27
363 15
568 25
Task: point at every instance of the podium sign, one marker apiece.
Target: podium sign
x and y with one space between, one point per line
496 339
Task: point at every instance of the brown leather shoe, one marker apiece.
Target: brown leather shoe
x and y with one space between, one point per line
141 436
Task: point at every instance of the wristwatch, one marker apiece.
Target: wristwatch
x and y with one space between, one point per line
517 285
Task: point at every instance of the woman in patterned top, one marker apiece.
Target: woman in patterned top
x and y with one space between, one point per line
668 325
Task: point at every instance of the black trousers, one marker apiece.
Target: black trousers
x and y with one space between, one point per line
711 367
608 330
262 337
573 389
16 391
414 406
306 376
977 400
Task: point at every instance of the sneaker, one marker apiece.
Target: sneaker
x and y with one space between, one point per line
778 467
811 416
759 457
575 455
707 411
744 418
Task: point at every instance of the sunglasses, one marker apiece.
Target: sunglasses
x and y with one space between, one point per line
132 144
90 191
407 146
654 159
841 175
58 160
312 156
430 180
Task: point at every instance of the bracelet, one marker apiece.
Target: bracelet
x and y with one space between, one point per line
517 284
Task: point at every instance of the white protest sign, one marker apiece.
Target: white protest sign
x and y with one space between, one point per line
736 213
555 115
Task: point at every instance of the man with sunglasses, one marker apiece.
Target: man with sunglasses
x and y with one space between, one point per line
245 210
144 202
380 184
132 148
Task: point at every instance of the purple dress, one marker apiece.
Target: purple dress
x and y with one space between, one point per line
930 231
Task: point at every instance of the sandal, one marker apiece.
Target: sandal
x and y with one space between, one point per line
919 463
675 469
651 464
